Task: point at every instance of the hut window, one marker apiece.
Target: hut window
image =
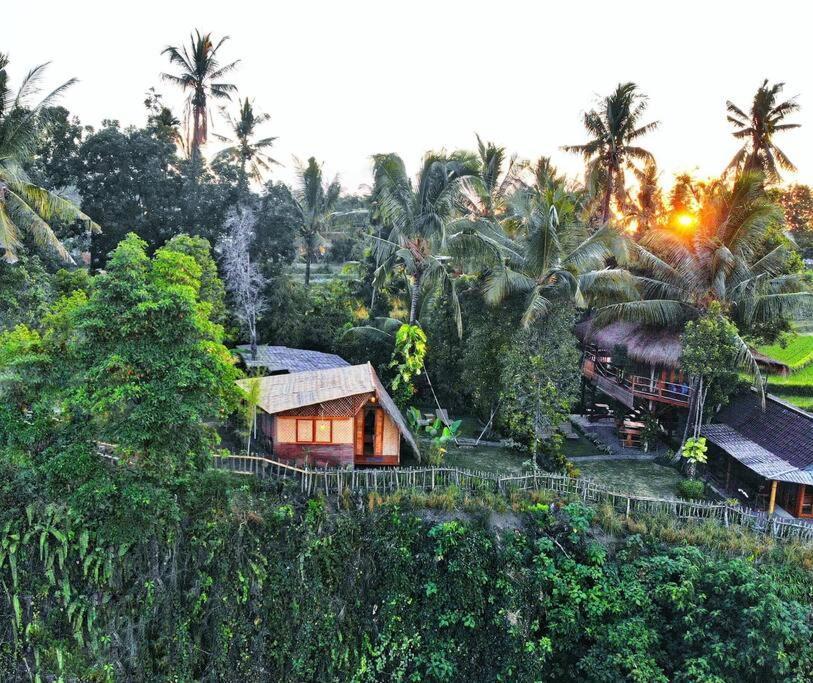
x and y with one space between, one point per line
304 430
309 430
322 431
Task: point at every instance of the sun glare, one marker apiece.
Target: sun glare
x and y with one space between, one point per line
685 221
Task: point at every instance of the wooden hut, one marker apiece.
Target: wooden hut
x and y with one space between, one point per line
339 416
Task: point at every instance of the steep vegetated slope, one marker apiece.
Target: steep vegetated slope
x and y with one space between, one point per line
226 579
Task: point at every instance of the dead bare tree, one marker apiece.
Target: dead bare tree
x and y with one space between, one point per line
242 277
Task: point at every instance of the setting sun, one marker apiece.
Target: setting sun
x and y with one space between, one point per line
686 220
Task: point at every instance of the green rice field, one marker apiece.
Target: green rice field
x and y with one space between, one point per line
797 354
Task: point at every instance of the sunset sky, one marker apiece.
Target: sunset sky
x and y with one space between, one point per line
344 80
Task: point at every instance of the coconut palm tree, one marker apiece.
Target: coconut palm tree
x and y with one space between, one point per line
250 154
485 195
673 276
199 76
614 126
646 208
316 203
25 208
424 233
550 252
758 127
161 119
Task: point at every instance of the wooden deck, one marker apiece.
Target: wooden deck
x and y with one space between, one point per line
626 388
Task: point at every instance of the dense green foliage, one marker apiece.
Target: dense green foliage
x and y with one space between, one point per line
540 381
137 362
222 580
151 567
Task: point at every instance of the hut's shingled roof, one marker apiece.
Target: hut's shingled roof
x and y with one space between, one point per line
645 345
281 359
776 443
279 393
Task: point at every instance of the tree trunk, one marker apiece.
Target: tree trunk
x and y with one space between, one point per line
608 193
308 257
253 342
416 291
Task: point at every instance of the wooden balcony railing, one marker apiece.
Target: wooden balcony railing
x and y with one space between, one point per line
627 387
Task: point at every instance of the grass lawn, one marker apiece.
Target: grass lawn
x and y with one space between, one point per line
485 459
797 354
644 478
573 448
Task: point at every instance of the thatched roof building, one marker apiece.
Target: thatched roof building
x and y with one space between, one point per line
337 416
646 345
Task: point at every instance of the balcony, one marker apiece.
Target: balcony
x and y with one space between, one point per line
626 387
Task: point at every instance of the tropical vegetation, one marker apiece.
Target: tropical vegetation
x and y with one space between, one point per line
125 556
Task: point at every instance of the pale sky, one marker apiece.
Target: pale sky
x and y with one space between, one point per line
344 80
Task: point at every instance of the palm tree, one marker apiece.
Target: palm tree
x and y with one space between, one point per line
550 253
613 127
423 230
644 211
26 208
200 74
484 195
250 154
315 203
758 127
161 120
673 277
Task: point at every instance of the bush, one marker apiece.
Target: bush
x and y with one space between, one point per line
691 489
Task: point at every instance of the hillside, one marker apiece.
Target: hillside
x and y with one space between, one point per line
226 578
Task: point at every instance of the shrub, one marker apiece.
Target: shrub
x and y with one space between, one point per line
691 489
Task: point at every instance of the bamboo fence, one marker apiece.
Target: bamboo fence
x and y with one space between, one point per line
334 482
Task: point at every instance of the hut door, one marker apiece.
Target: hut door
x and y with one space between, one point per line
379 431
369 431
358 439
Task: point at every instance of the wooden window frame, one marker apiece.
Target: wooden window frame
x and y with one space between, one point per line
313 421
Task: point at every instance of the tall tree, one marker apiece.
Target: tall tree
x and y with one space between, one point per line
486 194
27 209
249 154
646 208
315 203
200 75
551 255
161 120
758 127
244 281
675 276
614 127
423 231
156 374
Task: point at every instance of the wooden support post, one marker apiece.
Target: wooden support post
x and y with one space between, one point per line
772 500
